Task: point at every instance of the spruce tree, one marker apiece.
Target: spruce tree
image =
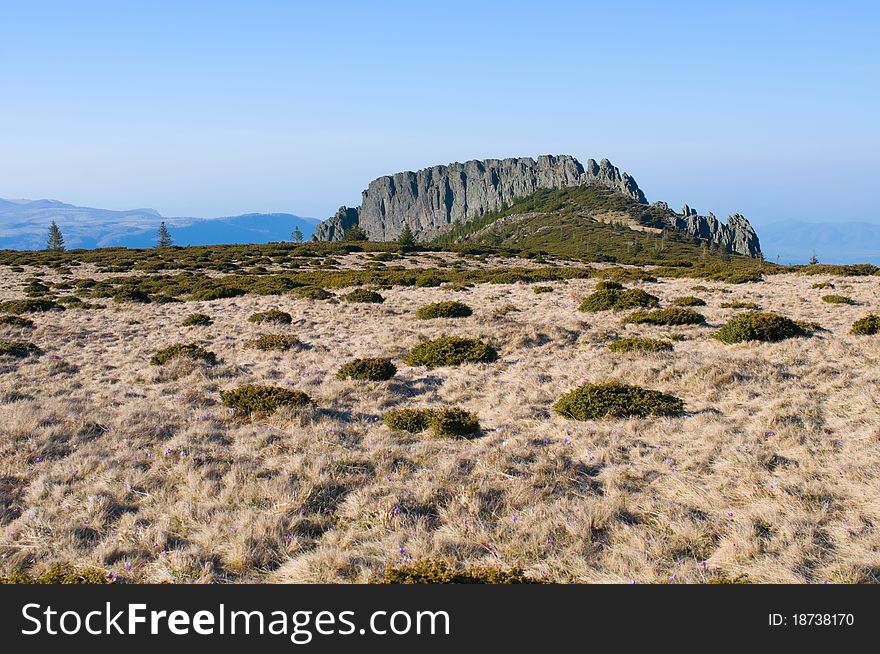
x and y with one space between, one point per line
406 238
164 239
55 241
297 234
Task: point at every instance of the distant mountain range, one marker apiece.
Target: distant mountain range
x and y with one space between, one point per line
841 242
23 225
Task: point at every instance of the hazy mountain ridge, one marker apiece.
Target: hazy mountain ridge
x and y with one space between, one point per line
23 225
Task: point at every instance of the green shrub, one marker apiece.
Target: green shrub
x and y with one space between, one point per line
368 369
446 422
273 316
210 293
756 326
838 299
868 325
197 319
450 351
643 344
822 285
60 573
18 349
689 301
615 299
670 316
447 309
31 305
611 399
281 342
16 321
190 351
609 285
363 295
312 293
543 289
741 305
255 399
429 571
131 295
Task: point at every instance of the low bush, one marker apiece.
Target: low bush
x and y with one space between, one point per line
189 351
18 349
543 289
131 295
368 369
670 316
641 344
197 319
757 326
31 305
208 294
822 285
868 325
280 342
255 399
363 295
741 305
450 351
838 299
609 285
273 316
59 573
16 321
446 422
312 293
615 299
689 301
611 399
429 571
447 309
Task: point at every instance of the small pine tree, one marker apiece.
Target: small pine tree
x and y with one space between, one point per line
406 238
164 240
55 241
297 234
354 233
813 259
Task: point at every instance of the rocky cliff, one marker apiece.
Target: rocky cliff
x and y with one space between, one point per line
434 199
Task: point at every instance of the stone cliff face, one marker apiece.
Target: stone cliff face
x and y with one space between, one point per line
434 199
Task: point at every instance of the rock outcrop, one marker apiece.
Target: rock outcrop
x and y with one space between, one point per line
435 199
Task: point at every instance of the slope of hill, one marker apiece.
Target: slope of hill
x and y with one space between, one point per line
23 225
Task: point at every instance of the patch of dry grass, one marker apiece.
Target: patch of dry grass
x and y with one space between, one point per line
110 462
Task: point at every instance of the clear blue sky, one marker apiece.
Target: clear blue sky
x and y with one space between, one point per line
217 108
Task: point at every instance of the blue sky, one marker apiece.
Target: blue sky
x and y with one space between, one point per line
218 108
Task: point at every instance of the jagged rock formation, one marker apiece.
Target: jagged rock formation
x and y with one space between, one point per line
434 199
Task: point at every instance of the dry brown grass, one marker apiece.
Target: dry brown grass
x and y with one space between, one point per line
106 460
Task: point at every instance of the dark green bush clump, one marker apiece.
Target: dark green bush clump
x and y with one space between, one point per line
608 299
312 293
190 351
16 321
363 295
430 571
368 369
32 305
741 305
609 285
450 351
273 316
867 326
59 573
756 326
838 299
446 423
689 301
592 401
448 309
543 289
670 316
18 349
197 319
643 344
253 398
281 342
131 295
